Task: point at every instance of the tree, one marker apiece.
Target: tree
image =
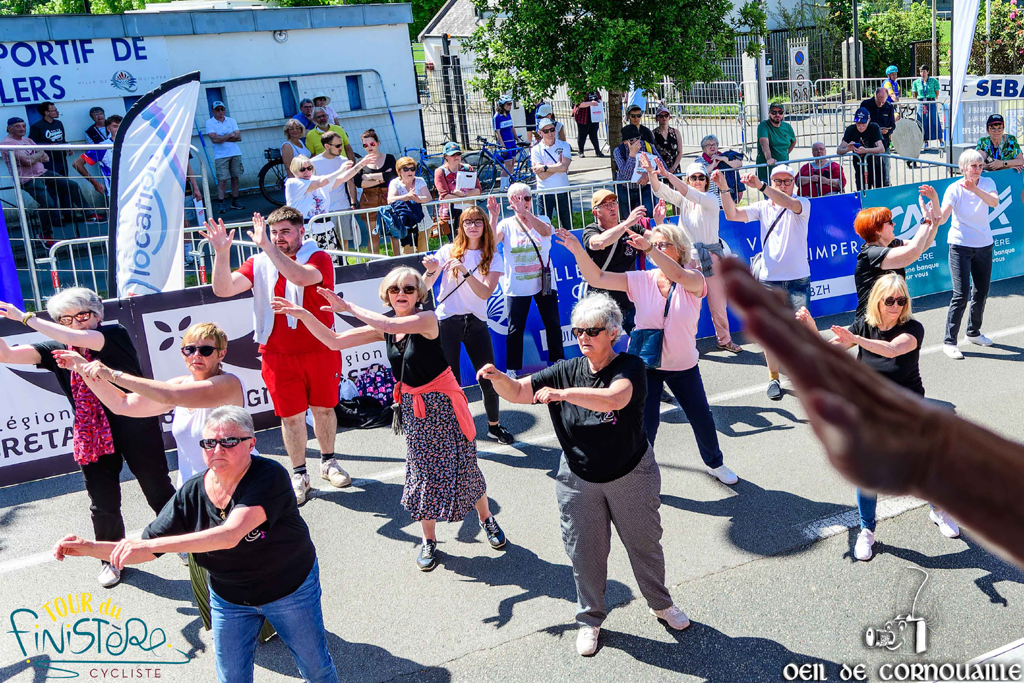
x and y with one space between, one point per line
1006 51
530 47
888 29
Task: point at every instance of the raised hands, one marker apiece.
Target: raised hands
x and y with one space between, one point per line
218 235
454 267
929 192
748 179
635 215
718 178
638 241
11 312
844 336
568 240
69 359
258 235
645 163
282 306
431 263
493 206
334 301
659 212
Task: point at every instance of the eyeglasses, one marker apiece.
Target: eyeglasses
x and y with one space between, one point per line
523 197
407 168
900 301
697 176
782 183
369 144
407 289
662 246
226 442
477 223
636 116
205 350
81 317
589 331
661 116
305 168
548 130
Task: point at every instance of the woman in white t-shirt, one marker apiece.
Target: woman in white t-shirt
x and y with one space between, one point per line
667 298
292 147
409 187
469 269
970 249
526 247
310 195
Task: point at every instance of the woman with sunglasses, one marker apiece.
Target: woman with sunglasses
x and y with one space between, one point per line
607 473
406 193
241 522
294 134
445 178
888 340
310 195
666 140
373 180
526 246
103 441
672 287
698 215
443 481
469 269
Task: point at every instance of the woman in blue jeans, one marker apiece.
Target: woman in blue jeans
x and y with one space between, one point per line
241 522
666 298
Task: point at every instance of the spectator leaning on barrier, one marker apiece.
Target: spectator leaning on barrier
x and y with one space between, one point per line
713 159
775 140
31 171
633 194
406 195
821 176
784 224
550 159
97 132
103 157
864 140
926 90
321 99
883 113
223 131
667 140
445 177
1000 149
585 124
50 131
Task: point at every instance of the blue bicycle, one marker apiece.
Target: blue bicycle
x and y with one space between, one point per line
426 163
489 163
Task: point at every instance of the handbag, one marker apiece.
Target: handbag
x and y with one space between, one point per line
757 267
546 287
647 343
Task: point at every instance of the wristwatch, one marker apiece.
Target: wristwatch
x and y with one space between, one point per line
545 168
28 316
764 186
116 374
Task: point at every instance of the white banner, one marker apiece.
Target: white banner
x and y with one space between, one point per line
147 190
993 87
965 18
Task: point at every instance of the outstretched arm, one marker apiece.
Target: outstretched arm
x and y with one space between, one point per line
424 322
590 271
90 339
329 338
512 390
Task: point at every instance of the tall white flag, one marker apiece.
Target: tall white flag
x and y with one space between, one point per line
965 19
147 190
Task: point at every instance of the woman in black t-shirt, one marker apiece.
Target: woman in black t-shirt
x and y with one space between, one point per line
889 342
103 441
442 479
607 473
240 521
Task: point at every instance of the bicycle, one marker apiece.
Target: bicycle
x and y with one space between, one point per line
272 177
489 167
426 164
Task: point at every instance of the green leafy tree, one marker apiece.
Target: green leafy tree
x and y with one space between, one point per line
1006 50
530 47
887 30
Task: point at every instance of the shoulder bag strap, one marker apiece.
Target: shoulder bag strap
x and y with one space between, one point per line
772 227
532 243
464 280
668 301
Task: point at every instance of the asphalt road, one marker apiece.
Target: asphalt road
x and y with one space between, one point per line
764 569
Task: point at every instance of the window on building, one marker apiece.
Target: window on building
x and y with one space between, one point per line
213 95
355 92
288 106
129 101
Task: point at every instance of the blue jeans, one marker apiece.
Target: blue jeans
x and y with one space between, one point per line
971 271
298 620
798 291
866 505
632 197
688 388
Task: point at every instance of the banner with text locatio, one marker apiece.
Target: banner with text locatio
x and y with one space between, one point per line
147 190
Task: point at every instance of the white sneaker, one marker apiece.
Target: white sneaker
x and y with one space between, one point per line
946 525
952 351
862 550
980 340
332 472
723 474
109 576
301 487
673 616
586 640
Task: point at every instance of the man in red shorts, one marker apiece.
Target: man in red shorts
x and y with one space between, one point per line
299 371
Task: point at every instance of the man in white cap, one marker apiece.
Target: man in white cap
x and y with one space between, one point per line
550 159
784 219
225 135
544 111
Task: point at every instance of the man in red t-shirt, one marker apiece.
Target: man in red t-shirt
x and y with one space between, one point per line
822 176
299 370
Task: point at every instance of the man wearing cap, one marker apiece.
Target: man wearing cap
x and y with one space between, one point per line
446 177
883 113
784 224
97 132
550 159
864 139
606 243
1000 150
544 111
223 131
635 139
505 135
775 140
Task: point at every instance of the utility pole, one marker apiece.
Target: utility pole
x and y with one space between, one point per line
988 34
856 53
935 45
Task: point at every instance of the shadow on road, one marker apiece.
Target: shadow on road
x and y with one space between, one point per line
755 417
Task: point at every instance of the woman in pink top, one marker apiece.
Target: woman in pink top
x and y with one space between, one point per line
649 290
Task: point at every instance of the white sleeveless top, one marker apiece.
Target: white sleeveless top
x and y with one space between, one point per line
298 150
187 428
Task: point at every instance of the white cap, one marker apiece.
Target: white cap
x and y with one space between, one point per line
783 169
695 168
544 122
544 110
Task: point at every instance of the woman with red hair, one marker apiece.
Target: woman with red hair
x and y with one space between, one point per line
883 251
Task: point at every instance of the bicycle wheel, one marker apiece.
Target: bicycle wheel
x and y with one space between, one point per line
427 167
486 171
272 177
524 171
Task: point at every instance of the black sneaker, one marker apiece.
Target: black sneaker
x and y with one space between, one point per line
666 397
501 435
428 556
495 536
775 390
235 206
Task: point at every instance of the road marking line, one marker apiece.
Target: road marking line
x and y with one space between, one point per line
840 522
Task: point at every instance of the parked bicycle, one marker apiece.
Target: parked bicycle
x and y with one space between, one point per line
426 163
272 177
489 166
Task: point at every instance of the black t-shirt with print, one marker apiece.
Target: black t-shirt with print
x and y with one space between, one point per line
903 369
599 447
869 268
43 133
272 561
623 261
118 353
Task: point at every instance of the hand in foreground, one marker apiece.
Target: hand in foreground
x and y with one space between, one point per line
635 215
218 235
69 359
11 312
843 335
970 185
456 267
489 372
127 550
748 179
282 306
929 192
659 212
259 235
548 395
645 163
718 178
568 240
334 301
431 263
71 546
638 241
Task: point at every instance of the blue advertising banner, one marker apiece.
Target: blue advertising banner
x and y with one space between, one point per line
10 287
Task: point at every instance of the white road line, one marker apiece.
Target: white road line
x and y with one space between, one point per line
839 523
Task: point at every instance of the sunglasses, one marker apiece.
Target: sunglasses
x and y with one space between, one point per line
305 168
205 350
337 145
369 144
662 246
407 168
661 116
407 289
697 176
81 317
589 331
895 301
524 197
478 223
548 130
636 116
226 442
776 112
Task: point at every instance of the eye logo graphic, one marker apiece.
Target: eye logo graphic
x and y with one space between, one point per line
183 325
123 80
901 630
242 352
497 313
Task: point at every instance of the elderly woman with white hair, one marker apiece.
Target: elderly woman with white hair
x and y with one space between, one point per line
698 216
526 243
443 481
967 201
607 473
310 195
241 522
713 158
103 441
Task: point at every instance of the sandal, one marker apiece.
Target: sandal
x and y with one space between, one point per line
731 346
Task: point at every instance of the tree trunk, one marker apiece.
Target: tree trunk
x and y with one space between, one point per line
613 115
